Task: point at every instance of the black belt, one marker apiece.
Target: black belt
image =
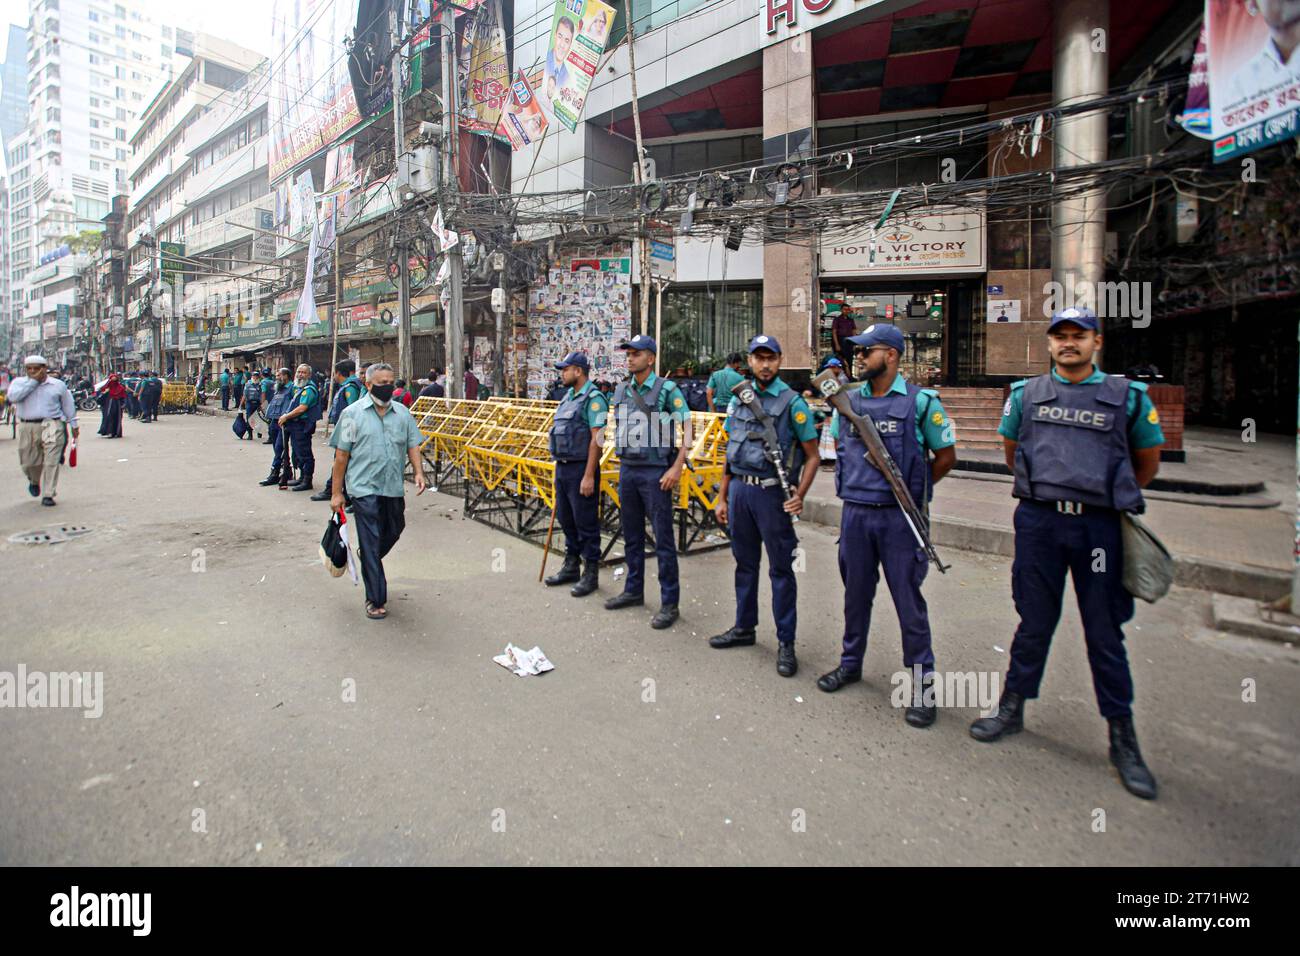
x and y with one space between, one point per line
759 482
35 421
1072 508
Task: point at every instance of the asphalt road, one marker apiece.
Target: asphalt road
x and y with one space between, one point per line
227 652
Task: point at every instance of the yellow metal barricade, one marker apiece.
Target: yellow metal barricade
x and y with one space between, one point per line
178 397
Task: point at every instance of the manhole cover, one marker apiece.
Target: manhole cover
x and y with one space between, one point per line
49 535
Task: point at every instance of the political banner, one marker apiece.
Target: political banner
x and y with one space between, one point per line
1195 117
522 121
311 99
579 30
485 87
1254 57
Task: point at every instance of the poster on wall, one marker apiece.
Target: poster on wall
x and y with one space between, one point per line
311 100
579 30
522 121
583 305
1004 310
1254 73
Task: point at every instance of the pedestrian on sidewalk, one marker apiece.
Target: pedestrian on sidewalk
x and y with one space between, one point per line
1082 445
874 532
45 410
374 440
575 443
752 502
112 395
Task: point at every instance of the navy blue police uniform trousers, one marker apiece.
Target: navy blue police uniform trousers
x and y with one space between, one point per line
873 538
756 518
639 495
225 398
1048 544
577 514
378 521
300 442
280 439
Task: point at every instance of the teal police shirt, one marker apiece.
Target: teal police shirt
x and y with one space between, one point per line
670 397
1144 422
722 382
934 429
801 417
595 410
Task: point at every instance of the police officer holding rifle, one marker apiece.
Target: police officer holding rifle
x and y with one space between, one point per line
771 442
885 431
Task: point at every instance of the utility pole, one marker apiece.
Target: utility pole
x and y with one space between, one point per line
405 360
155 272
499 305
455 312
638 169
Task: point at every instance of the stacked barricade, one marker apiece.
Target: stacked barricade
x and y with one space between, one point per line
495 454
177 398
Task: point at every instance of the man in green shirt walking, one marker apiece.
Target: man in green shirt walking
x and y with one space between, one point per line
368 465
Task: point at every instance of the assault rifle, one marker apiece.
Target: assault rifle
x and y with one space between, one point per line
745 394
878 455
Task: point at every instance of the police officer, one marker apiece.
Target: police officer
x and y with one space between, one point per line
299 423
347 389
224 379
646 408
874 533
1082 445
718 390
278 405
752 502
576 439
251 401
152 394
268 386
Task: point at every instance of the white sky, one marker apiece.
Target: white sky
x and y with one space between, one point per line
246 22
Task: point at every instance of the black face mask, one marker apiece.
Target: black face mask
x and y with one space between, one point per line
382 392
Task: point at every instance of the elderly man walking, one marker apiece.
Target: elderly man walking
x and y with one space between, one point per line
374 440
45 409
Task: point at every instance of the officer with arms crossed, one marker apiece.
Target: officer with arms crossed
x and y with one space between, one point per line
1082 445
646 409
752 500
576 439
874 533
299 424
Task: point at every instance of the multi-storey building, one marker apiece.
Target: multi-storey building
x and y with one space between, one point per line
198 155
13 85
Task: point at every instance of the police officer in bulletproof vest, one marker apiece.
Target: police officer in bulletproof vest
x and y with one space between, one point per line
575 442
874 534
1082 445
299 423
276 407
347 389
753 502
646 410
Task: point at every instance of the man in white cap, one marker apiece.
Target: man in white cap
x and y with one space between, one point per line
45 409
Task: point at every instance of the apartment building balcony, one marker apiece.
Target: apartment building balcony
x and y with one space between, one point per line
245 160
236 225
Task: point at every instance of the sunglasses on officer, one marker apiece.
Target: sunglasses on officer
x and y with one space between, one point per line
866 350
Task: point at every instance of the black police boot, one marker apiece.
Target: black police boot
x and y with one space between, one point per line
325 493
921 714
304 484
664 617
33 489
1010 719
787 665
732 638
589 581
1126 757
569 572
626 599
837 678
272 479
